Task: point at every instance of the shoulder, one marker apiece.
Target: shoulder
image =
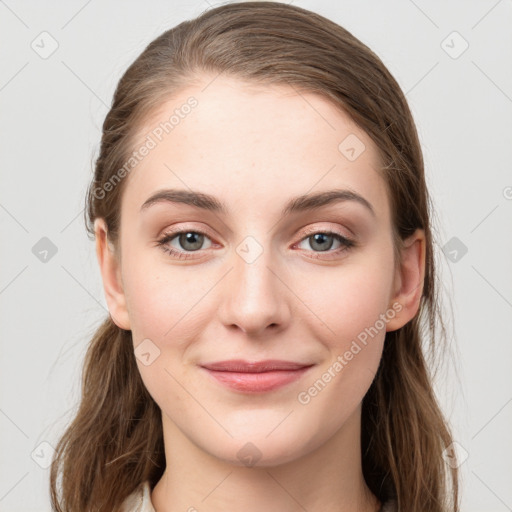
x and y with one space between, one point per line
139 500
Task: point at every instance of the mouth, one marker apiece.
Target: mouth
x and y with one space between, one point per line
256 377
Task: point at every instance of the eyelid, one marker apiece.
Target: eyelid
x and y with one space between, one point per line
184 228
304 234
330 229
347 243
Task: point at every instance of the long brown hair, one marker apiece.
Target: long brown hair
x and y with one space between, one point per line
115 442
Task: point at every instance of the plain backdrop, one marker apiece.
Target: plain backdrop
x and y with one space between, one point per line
60 64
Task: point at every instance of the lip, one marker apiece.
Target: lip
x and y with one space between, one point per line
242 366
255 377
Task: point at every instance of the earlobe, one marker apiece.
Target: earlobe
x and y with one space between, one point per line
111 276
409 280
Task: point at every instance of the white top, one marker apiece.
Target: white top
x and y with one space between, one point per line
139 501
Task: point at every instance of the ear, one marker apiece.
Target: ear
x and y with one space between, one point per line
111 274
408 282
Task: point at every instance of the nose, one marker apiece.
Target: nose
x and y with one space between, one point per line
255 298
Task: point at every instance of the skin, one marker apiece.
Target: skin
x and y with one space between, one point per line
254 148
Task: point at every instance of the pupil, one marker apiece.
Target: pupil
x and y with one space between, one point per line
195 239
321 239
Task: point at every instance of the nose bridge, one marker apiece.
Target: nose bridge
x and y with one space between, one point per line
255 296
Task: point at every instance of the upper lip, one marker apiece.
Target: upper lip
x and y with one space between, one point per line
239 365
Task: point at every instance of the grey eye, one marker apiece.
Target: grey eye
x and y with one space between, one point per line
189 241
321 241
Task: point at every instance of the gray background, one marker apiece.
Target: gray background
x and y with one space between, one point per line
51 114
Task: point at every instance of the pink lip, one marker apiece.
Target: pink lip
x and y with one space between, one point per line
257 376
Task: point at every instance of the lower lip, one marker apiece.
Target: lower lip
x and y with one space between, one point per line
257 382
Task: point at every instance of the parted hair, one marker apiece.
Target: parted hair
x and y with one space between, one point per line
114 442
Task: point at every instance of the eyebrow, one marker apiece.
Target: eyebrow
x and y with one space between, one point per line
297 204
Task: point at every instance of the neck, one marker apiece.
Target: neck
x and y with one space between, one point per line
328 479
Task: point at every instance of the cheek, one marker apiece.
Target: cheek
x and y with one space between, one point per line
349 300
352 302
163 301
351 307
163 305
345 300
148 292
152 305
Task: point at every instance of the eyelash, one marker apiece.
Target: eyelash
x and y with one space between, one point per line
346 243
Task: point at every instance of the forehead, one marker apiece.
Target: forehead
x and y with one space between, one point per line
253 146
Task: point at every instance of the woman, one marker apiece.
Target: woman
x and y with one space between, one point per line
262 228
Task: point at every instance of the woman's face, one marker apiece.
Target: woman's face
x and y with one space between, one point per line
265 277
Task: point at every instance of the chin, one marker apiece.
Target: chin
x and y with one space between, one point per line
259 449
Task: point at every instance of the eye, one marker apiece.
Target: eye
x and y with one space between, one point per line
322 241
180 244
186 241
